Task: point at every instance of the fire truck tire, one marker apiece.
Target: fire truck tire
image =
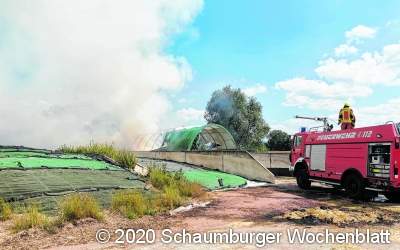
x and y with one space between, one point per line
303 179
354 187
393 196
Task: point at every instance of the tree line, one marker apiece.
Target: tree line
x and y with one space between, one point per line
242 117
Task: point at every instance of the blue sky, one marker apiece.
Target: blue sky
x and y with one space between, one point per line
260 42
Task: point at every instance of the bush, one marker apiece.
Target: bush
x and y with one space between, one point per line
174 186
173 189
131 204
80 206
160 178
191 189
126 159
31 218
122 157
171 197
5 210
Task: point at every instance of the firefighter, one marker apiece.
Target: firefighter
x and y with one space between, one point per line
347 118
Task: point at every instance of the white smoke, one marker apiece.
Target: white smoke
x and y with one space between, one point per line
72 71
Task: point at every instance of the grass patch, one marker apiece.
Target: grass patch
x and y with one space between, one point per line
130 203
125 158
172 190
31 218
79 206
160 178
122 157
133 204
5 210
171 197
191 189
167 181
71 208
342 216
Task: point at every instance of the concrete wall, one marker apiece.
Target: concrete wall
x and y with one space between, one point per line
276 161
235 162
207 159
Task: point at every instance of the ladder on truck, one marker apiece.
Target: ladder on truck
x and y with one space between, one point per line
326 127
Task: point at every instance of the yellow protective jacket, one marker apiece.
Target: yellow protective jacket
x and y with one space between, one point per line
346 115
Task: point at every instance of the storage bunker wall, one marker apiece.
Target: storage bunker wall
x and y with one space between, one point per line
208 137
240 163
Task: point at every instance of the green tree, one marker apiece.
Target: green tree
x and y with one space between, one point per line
278 140
241 115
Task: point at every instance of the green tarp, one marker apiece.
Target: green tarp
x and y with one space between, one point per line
207 137
182 139
206 178
15 154
34 162
23 158
209 179
41 176
23 184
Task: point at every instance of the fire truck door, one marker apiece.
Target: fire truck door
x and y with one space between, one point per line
297 151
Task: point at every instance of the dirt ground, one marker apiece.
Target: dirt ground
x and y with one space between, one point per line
260 209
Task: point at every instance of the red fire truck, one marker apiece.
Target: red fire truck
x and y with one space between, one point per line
362 160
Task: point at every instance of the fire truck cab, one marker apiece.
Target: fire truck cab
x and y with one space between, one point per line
357 160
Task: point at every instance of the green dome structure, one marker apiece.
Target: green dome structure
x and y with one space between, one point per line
208 137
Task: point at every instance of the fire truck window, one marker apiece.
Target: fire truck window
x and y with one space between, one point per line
398 128
297 141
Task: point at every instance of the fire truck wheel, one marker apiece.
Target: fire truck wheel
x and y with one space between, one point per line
393 196
354 187
302 179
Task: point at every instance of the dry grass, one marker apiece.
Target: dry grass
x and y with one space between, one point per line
72 208
130 203
133 204
191 189
334 216
174 187
343 216
79 206
162 179
5 210
172 190
125 158
122 157
171 197
31 218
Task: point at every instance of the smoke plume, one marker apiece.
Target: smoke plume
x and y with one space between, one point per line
74 71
